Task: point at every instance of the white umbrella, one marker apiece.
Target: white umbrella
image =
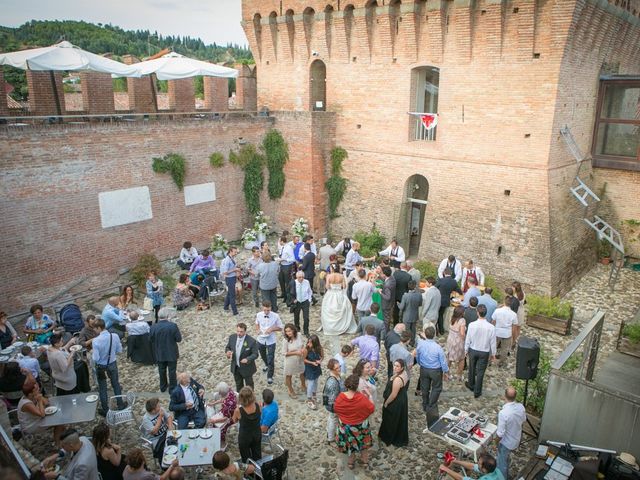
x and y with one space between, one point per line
66 56
174 66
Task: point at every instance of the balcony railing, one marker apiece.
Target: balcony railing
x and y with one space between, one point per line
421 133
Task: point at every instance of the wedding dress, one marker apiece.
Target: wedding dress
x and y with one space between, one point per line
337 316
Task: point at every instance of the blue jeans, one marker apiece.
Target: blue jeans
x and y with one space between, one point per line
230 299
504 456
268 353
102 373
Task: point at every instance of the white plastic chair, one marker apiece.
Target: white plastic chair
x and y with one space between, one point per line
117 416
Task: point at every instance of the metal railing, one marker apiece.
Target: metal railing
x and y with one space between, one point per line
421 133
590 336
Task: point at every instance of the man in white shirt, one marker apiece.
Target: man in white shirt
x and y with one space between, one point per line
505 321
362 292
480 345
454 264
301 296
510 421
471 271
395 253
267 324
286 259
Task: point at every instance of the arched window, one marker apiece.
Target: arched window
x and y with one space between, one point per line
318 86
257 29
273 27
425 85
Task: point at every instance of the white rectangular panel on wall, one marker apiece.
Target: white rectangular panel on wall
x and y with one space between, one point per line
202 193
120 207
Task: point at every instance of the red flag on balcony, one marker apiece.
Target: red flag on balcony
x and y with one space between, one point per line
429 120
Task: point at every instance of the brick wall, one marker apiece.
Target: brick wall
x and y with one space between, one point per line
49 201
216 94
43 99
181 95
97 93
4 110
504 76
246 88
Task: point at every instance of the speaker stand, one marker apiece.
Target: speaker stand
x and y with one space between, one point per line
524 404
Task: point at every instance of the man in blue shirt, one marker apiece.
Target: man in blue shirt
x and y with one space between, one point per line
106 347
270 412
486 466
113 317
487 300
230 271
433 364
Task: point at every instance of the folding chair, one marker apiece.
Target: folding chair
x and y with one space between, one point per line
272 467
118 416
269 434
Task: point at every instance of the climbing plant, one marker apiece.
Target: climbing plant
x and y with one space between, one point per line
276 153
216 159
336 185
253 177
173 164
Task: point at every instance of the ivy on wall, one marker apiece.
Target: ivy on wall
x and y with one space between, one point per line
173 164
276 153
336 185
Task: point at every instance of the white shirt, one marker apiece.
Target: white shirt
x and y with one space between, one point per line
504 318
325 254
188 395
138 327
352 258
340 246
479 275
457 271
286 254
397 252
342 362
362 291
510 420
239 342
265 322
188 256
303 291
481 337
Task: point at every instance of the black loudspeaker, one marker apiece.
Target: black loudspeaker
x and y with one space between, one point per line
527 358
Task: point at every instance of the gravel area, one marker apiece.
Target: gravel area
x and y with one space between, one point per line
303 430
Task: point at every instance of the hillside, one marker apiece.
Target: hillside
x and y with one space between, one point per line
107 39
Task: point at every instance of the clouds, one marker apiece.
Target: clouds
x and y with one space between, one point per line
212 20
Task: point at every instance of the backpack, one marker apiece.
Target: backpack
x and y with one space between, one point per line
71 318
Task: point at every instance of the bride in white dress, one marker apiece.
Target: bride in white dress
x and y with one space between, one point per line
337 316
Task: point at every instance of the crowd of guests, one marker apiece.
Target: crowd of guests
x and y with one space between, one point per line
383 306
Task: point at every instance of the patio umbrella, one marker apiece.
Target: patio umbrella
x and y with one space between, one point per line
174 66
66 56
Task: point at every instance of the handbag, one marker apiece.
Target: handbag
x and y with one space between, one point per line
147 304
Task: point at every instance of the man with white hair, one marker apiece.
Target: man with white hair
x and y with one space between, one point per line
187 402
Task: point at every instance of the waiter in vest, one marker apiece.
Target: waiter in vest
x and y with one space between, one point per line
471 271
395 253
454 265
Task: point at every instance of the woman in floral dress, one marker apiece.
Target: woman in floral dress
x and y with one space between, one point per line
455 342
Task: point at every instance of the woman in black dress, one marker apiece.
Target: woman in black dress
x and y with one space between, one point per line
111 461
249 434
394 429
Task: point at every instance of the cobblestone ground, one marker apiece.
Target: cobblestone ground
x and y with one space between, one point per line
303 430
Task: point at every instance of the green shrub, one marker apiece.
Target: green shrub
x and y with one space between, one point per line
146 263
537 386
498 293
336 185
548 306
632 332
427 269
253 178
216 159
173 164
276 152
370 242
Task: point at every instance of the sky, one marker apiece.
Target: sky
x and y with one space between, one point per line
211 20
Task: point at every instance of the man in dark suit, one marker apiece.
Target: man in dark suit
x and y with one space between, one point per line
392 337
388 296
409 309
309 267
446 285
165 336
187 402
402 286
242 350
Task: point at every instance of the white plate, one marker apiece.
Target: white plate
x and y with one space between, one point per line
50 410
168 459
194 434
175 434
18 344
75 348
144 312
92 398
171 450
207 433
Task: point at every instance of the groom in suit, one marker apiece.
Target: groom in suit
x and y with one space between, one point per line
242 350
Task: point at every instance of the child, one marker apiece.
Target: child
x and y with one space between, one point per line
313 355
222 463
270 413
30 362
341 357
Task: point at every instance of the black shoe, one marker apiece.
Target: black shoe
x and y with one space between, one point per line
101 412
314 302
466 384
476 395
264 369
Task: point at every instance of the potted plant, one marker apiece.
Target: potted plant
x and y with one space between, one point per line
549 313
249 238
219 245
300 227
604 251
629 339
261 226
